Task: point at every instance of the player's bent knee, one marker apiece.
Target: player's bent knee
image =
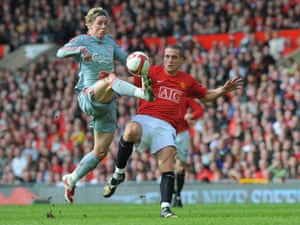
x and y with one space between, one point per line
165 164
132 132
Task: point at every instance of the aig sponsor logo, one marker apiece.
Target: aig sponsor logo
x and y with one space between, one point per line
170 94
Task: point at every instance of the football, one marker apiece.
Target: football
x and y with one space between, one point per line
138 63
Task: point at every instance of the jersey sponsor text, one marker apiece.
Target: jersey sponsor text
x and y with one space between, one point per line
170 94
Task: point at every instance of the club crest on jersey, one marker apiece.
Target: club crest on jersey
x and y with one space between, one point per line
170 94
182 85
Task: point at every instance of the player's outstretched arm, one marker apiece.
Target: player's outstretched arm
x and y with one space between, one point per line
67 51
230 85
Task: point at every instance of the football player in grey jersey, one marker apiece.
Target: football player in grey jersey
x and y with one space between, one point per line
95 53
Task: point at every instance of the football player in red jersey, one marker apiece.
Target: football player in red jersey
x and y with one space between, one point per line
155 124
192 111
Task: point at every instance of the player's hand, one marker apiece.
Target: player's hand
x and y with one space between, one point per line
85 54
188 117
233 84
104 74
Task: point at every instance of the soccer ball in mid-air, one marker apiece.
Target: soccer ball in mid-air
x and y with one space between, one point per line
138 63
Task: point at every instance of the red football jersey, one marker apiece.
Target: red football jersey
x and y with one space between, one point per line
196 111
170 94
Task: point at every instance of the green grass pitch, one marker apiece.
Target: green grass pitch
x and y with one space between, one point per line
132 214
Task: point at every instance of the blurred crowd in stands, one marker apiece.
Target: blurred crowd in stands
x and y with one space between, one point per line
251 133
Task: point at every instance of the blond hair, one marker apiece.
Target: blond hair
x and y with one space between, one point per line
93 13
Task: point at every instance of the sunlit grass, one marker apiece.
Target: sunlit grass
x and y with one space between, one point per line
131 214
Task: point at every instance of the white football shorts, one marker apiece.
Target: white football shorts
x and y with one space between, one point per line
183 140
156 133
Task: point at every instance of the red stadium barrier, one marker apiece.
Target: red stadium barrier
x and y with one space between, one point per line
207 40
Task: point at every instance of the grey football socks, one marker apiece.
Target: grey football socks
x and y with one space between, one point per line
87 164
